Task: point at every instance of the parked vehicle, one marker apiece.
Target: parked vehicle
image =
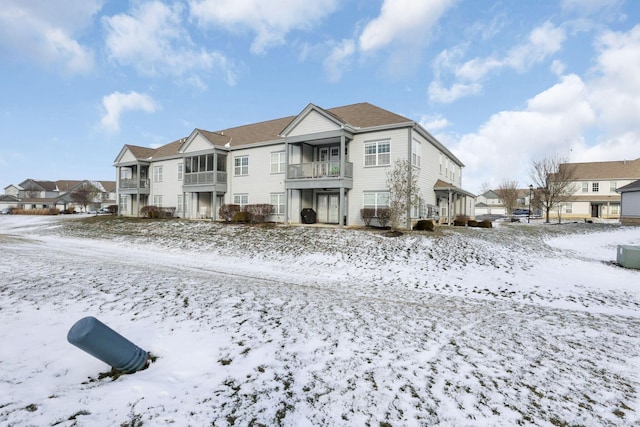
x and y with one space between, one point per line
521 212
104 211
6 211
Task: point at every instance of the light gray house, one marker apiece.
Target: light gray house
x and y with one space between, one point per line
334 161
630 203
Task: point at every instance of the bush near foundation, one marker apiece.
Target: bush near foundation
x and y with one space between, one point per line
472 223
226 212
259 212
461 220
367 214
425 225
242 216
485 224
384 216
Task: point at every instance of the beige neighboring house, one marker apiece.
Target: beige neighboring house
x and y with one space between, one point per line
334 161
595 186
630 203
38 194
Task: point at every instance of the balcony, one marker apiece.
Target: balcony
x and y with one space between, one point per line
206 181
319 175
134 184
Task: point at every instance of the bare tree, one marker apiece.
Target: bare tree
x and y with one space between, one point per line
32 192
404 192
85 195
553 179
484 187
508 192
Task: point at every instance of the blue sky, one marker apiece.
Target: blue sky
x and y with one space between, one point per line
501 83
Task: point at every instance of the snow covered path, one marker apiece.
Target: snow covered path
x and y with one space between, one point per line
293 326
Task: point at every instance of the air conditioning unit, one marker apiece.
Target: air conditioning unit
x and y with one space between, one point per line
629 256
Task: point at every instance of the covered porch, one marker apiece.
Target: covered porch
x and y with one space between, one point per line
453 201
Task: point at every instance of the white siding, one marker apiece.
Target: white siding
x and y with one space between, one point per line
170 187
372 178
260 182
631 204
314 122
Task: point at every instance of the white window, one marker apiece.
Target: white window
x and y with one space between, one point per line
377 153
568 208
585 187
124 203
241 199
376 200
595 187
278 162
615 209
157 201
180 171
612 186
179 203
241 165
416 153
157 174
440 163
277 201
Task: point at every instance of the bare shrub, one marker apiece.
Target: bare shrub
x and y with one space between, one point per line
226 212
367 214
259 212
384 216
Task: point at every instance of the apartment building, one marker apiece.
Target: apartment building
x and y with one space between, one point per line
334 161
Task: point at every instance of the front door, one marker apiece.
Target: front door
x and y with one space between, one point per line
594 211
328 208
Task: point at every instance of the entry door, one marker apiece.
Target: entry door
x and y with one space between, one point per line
328 208
594 211
329 158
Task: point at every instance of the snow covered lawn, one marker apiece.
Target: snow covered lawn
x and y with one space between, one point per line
516 325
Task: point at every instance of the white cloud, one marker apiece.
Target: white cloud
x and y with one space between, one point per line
117 103
405 21
467 77
439 93
270 20
552 122
434 123
153 41
590 7
337 61
43 31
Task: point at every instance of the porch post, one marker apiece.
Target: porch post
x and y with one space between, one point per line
449 208
214 201
286 175
341 210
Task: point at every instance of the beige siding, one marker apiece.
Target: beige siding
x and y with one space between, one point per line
313 123
127 156
198 144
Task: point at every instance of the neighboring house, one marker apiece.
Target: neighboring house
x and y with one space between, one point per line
36 194
489 203
594 188
630 203
8 201
334 161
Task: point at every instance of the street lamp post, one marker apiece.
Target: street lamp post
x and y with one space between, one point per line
529 215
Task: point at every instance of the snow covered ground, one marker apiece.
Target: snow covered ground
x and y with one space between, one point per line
515 325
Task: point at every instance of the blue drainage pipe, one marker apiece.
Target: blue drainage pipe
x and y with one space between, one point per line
99 340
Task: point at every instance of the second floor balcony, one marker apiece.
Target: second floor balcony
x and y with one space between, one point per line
319 175
133 183
319 170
